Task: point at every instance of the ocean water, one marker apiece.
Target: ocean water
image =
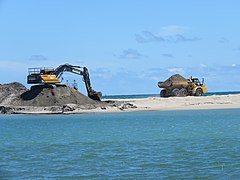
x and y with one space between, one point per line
157 95
203 144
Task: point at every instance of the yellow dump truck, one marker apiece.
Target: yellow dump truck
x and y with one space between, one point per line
177 85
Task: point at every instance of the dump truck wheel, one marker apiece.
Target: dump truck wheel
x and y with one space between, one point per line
183 92
198 92
163 93
175 92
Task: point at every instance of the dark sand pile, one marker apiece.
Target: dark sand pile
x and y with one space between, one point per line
51 95
54 99
9 92
172 79
15 94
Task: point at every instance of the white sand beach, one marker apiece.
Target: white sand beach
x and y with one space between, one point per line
185 103
168 104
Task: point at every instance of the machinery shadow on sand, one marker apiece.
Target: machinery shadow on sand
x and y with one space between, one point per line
35 91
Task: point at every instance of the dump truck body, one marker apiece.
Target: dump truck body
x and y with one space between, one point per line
177 85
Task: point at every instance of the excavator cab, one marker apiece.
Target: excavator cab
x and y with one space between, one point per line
42 76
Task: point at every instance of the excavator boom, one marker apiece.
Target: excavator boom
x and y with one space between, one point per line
51 76
84 72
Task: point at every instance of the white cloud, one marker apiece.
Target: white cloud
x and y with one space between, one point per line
203 65
130 54
172 34
169 55
37 57
173 30
234 65
176 70
222 40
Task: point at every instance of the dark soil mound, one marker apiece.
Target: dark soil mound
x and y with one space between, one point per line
10 91
52 95
172 79
15 94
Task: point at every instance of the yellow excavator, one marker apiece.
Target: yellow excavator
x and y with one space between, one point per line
46 75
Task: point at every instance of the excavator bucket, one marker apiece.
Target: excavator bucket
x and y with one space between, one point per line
95 96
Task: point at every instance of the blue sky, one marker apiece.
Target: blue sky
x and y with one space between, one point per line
127 45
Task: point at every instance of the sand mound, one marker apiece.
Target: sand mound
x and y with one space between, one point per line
15 94
9 92
172 79
52 95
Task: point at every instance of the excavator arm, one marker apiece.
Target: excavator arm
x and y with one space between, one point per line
84 72
67 67
91 93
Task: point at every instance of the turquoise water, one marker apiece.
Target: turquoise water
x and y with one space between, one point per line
202 144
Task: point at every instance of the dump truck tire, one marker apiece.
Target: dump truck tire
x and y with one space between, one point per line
183 92
175 92
199 92
163 93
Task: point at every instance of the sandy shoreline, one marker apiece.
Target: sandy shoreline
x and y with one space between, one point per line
135 105
186 103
